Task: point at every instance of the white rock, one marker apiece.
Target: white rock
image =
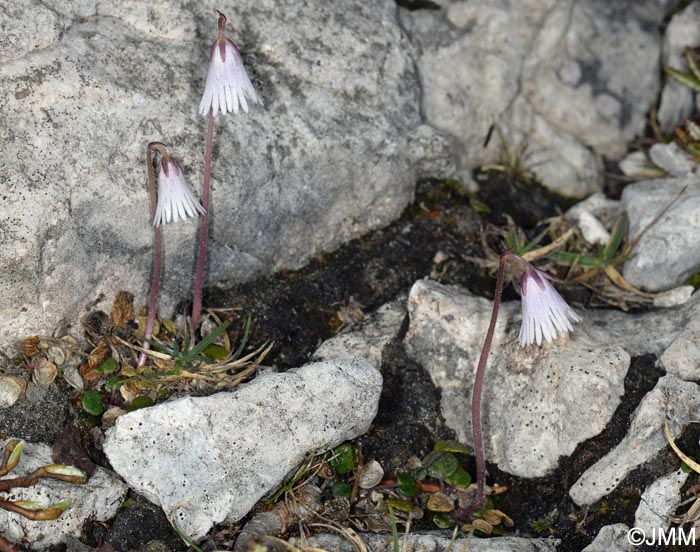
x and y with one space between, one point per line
672 159
677 101
649 332
682 357
430 542
674 297
669 253
592 229
368 337
209 459
556 76
98 500
79 108
611 538
635 163
538 404
604 209
672 399
659 501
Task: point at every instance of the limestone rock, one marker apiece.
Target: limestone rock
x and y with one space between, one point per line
538 404
669 252
672 399
335 152
209 459
98 499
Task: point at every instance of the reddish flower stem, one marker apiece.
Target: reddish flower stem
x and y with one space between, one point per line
204 229
157 245
477 392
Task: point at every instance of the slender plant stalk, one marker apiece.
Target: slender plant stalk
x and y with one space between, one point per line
204 229
480 498
157 244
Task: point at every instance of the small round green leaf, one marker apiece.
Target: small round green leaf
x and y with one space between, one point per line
107 366
142 401
400 505
344 459
442 521
341 488
460 478
215 352
444 466
407 485
92 403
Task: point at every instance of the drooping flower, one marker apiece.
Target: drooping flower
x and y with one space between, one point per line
227 81
175 198
544 311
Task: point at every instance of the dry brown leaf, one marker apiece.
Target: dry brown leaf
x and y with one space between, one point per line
29 346
43 371
98 354
123 310
689 461
440 502
481 525
89 375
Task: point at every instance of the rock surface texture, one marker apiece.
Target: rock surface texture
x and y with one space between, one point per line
672 399
539 403
209 459
433 542
98 499
336 150
669 252
570 79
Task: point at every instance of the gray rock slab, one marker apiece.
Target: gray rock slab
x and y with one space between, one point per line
611 538
677 101
659 501
672 399
430 542
674 297
368 337
98 499
669 253
210 459
335 152
636 163
538 403
651 332
562 77
682 356
672 159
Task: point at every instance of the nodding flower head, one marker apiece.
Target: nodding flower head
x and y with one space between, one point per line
175 198
544 311
227 82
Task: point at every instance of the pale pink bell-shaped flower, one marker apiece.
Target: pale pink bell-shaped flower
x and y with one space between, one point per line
227 82
544 311
175 198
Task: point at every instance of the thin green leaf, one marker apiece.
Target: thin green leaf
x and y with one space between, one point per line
535 241
451 446
684 78
565 257
692 63
209 339
244 340
394 530
618 232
